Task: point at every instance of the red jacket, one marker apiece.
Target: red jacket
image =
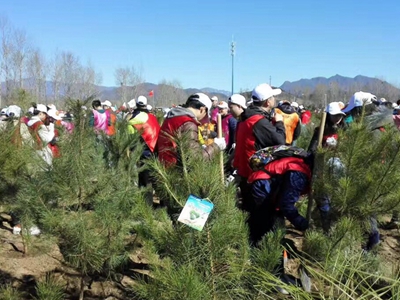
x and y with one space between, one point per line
149 131
166 145
246 147
280 167
306 117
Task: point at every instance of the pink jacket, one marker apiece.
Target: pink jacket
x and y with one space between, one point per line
225 127
101 120
214 115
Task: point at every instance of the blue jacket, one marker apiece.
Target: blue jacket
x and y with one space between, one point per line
291 185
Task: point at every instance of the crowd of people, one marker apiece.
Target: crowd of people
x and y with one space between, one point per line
268 194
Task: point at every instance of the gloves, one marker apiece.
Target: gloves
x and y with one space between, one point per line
331 142
233 145
220 142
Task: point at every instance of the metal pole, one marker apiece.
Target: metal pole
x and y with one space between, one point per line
233 44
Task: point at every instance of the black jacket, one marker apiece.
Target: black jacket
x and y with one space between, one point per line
265 132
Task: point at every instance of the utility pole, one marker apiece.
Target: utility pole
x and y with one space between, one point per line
233 44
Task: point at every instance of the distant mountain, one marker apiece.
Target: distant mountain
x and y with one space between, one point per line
303 88
211 91
344 83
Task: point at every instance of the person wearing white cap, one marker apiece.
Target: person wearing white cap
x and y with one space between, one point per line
354 109
334 122
42 132
112 117
214 109
106 104
146 124
141 101
256 131
131 105
237 105
228 125
186 120
100 118
295 105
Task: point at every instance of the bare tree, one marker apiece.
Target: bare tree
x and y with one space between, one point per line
55 75
20 51
36 71
128 80
70 68
319 95
6 54
168 93
88 79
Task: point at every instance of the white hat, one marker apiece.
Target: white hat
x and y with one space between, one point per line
294 104
142 101
222 104
41 107
203 98
214 98
54 114
238 100
106 103
4 111
149 107
14 110
263 92
132 103
358 99
395 106
382 100
333 108
51 106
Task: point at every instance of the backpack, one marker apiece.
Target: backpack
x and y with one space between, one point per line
266 155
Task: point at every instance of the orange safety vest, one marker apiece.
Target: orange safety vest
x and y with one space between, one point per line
290 121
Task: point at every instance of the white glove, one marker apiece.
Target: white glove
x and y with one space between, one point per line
220 143
331 142
233 145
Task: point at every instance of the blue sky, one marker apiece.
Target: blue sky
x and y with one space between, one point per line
190 40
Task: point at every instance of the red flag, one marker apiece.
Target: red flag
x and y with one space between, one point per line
151 93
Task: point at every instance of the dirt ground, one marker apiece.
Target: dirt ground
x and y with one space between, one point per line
24 271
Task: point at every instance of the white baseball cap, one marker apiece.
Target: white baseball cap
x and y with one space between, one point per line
203 98
106 103
50 106
333 108
359 99
14 110
214 98
238 100
41 107
132 103
263 92
142 101
54 114
223 104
